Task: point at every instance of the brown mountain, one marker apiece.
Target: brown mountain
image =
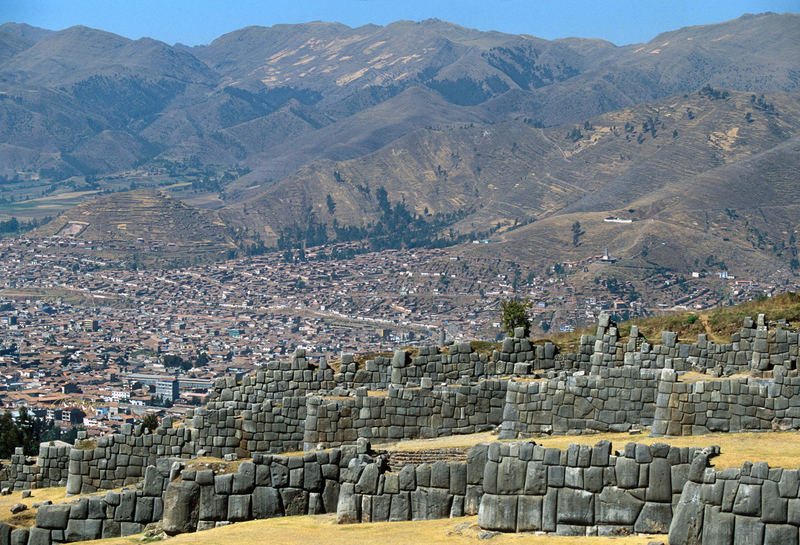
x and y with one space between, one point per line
225 104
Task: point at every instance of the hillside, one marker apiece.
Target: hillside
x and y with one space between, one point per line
145 226
687 164
718 324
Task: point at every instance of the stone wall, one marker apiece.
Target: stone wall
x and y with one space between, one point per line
50 468
405 413
188 500
727 405
373 493
243 428
609 384
754 505
513 487
120 459
436 364
617 400
582 490
265 413
114 514
269 486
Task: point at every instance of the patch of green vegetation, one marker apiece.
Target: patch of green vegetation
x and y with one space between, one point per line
86 444
143 352
484 347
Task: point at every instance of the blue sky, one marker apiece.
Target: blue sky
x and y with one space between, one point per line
200 21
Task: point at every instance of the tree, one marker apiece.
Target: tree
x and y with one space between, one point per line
383 200
331 204
150 421
574 135
171 360
23 432
576 233
202 359
514 314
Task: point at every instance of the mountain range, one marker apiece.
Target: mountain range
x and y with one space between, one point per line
421 133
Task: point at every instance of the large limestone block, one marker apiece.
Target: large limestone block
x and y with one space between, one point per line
780 534
368 482
213 506
773 507
511 476
659 487
535 479
295 501
53 517
717 527
400 508
330 495
181 507
575 507
83 530
655 518
266 502
239 507
529 513
748 531
348 508
687 520
748 500
39 536
439 501
616 506
476 462
627 473
498 513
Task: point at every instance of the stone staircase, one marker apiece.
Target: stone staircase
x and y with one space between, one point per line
400 458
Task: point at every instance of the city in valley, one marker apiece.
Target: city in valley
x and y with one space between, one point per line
95 343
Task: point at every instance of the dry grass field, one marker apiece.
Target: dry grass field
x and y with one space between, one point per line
321 529
779 449
27 518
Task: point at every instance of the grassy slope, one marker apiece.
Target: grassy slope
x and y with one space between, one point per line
718 324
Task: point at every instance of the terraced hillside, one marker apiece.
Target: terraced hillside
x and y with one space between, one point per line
147 225
700 166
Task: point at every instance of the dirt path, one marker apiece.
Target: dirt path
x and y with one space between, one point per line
709 332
